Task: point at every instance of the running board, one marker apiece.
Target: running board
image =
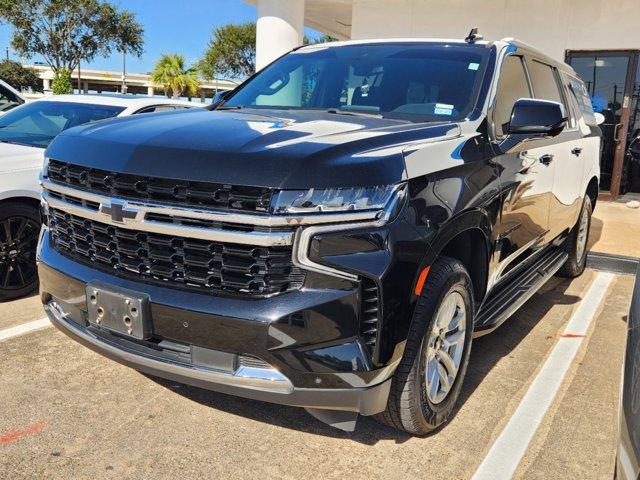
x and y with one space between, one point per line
503 303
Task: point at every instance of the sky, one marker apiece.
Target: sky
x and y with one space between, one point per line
185 29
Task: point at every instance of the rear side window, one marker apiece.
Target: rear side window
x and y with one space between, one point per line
544 82
578 89
512 86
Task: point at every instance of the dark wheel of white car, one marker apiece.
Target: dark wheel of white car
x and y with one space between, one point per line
427 382
576 243
19 230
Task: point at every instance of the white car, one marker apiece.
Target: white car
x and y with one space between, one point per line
25 133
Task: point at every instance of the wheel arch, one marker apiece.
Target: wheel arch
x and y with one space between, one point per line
593 190
466 238
26 200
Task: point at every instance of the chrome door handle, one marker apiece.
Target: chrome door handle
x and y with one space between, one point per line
546 159
576 151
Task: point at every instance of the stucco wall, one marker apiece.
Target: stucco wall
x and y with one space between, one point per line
550 25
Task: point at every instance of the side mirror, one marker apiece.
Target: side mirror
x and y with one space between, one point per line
220 97
599 118
537 118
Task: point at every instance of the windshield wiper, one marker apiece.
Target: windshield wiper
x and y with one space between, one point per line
237 107
354 114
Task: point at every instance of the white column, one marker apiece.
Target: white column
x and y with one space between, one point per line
280 28
46 84
150 91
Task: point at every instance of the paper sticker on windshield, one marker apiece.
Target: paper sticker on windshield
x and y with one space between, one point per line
474 66
443 109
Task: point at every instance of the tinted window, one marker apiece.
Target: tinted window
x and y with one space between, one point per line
584 101
512 86
544 82
421 82
37 123
572 108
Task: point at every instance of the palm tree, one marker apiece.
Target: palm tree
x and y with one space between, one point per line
170 72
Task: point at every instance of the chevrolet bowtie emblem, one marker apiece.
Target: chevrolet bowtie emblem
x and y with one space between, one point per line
117 211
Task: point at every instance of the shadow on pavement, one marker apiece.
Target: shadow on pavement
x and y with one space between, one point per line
368 431
486 352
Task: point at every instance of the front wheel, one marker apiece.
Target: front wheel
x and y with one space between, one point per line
428 380
19 230
576 243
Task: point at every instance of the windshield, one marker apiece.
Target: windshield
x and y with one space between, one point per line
37 123
413 81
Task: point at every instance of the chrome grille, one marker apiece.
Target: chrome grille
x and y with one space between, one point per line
202 265
167 191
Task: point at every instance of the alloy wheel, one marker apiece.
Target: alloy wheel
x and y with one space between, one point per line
445 347
583 230
18 242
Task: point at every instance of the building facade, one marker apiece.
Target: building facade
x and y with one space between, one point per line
599 38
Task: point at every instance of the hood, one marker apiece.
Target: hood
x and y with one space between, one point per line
266 148
15 157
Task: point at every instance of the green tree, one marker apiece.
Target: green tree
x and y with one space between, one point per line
66 32
19 77
177 80
231 52
324 38
61 84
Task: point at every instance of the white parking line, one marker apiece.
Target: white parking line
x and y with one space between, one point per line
505 454
24 328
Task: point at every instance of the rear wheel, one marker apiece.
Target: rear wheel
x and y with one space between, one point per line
576 243
427 382
19 230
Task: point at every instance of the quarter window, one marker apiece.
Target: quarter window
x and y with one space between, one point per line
512 86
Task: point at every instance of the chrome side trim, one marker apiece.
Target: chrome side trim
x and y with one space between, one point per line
263 220
303 238
251 378
139 223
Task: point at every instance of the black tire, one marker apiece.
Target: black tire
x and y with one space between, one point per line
577 261
19 231
409 407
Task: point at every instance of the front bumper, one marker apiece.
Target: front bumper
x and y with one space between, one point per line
202 340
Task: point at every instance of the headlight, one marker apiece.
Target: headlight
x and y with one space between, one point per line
45 166
332 199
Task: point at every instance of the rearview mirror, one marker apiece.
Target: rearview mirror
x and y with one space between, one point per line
537 118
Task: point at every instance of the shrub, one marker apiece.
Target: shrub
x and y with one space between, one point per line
61 84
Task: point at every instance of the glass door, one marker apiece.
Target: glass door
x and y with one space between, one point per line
610 80
631 171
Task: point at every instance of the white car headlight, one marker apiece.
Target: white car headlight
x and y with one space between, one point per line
332 200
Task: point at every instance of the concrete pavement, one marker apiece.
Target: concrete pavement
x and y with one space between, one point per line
69 413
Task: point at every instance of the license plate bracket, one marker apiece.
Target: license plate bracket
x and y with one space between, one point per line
119 310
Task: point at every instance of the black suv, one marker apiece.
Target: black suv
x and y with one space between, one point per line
333 233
